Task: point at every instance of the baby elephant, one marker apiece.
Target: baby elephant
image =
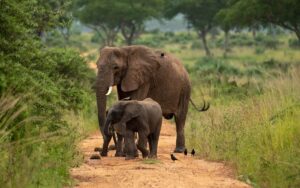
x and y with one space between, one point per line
143 117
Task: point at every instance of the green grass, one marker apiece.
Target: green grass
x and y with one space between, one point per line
151 161
259 136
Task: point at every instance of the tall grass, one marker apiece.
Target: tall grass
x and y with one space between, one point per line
32 155
259 136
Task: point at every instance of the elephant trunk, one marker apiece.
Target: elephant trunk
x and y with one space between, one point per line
101 105
103 87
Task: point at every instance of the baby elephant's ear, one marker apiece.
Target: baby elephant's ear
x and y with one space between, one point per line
132 110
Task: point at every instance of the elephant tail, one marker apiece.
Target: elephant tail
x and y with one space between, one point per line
203 109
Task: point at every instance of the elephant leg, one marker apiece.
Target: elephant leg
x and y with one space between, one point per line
129 145
180 118
119 149
150 143
180 139
142 145
106 140
155 138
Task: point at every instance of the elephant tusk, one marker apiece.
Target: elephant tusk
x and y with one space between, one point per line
109 90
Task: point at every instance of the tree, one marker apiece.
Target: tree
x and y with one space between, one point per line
224 24
107 17
283 13
101 16
134 15
49 14
199 13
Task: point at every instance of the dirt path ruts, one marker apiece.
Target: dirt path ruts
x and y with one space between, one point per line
116 172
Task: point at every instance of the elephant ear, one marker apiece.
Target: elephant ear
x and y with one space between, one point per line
132 110
141 66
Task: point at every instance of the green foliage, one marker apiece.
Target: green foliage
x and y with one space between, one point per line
182 38
196 45
37 143
259 136
267 41
237 40
293 43
33 153
108 17
251 13
199 13
96 38
259 50
235 81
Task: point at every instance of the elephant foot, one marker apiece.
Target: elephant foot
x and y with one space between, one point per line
120 154
152 156
112 147
145 154
103 153
179 149
128 157
136 154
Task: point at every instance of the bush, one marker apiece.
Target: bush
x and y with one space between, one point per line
196 45
39 86
267 41
236 40
259 50
294 43
96 38
233 80
152 41
259 136
33 153
182 38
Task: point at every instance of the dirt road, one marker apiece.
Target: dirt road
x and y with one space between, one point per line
116 172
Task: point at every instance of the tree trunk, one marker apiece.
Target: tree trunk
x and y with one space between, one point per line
202 35
128 31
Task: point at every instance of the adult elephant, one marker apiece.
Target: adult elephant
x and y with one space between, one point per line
140 72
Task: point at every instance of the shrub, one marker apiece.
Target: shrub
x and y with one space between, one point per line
294 43
267 41
259 50
33 153
196 45
236 40
152 40
96 38
259 136
182 38
40 83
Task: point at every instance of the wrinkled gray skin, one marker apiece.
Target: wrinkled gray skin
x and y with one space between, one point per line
140 72
128 117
